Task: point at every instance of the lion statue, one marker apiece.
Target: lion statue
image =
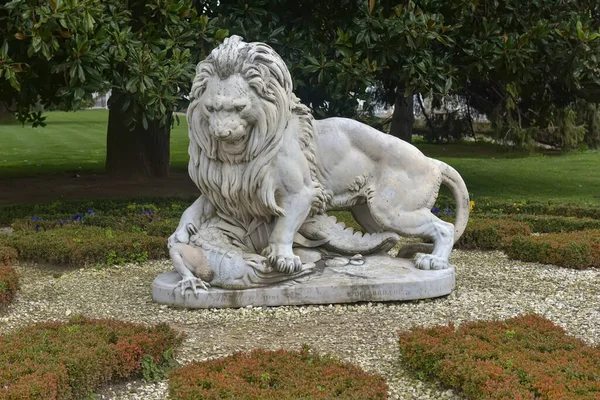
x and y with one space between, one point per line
268 172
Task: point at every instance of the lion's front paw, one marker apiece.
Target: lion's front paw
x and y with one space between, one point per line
429 261
281 260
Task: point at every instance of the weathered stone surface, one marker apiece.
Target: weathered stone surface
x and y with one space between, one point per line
269 173
380 278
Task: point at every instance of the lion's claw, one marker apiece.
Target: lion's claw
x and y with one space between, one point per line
286 263
429 261
190 283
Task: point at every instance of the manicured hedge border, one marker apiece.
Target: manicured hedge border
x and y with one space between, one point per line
490 234
486 205
69 360
526 357
148 223
280 374
549 223
8 255
9 284
572 250
76 245
168 207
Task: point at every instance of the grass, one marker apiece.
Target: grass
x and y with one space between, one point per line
76 142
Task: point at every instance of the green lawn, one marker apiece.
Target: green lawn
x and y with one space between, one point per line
76 142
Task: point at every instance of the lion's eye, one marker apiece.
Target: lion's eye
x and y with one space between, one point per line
210 109
240 108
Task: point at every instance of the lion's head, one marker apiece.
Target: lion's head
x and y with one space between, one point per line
241 101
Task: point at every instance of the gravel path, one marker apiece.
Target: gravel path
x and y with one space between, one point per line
489 286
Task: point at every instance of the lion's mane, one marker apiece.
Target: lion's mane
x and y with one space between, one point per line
240 185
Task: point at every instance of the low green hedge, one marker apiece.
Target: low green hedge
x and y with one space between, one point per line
69 360
490 234
549 223
167 207
281 375
526 357
141 223
8 255
9 284
572 250
483 206
77 245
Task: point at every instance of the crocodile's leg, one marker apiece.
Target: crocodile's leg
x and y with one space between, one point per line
192 265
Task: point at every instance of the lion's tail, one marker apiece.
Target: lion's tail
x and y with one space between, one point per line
453 181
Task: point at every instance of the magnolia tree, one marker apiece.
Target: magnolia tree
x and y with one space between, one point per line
57 52
527 64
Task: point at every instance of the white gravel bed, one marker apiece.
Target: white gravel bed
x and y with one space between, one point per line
489 286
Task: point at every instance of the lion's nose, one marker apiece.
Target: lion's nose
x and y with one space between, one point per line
223 133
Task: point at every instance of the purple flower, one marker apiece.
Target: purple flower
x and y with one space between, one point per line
435 210
448 211
60 221
90 212
34 218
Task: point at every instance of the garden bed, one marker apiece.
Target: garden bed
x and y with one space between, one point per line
489 286
527 357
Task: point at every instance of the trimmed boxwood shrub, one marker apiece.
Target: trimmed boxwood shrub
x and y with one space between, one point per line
550 223
8 255
572 250
526 357
76 245
486 205
280 374
69 360
171 207
148 223
490 234
9 284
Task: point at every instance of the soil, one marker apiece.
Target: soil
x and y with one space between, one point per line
43 189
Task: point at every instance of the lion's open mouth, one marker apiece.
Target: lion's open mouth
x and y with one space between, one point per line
234 145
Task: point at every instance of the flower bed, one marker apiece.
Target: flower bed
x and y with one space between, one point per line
8 255
76 245
145 222
490 234
549 223
279 374
521 358
9 284
572 250
166 207
68 360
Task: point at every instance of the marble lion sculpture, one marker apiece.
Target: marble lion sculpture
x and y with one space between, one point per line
268 172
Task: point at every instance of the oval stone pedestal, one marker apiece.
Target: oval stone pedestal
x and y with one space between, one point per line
380 278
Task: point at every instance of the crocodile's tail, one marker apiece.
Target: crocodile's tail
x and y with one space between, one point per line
336 237
453 181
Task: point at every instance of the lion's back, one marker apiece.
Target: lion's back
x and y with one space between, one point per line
345 135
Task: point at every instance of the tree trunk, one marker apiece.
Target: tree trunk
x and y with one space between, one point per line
403 117
5 114
137 152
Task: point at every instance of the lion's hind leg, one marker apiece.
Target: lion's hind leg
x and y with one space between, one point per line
418 223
